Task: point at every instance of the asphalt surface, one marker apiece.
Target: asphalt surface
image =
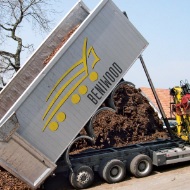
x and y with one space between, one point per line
174 177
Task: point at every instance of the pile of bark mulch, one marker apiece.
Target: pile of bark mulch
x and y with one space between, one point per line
133 121
58 47
9 182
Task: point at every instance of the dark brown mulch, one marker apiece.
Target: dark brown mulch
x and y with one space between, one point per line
9 182
133 121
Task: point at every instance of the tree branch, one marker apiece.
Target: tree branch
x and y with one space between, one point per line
8 29
7 66
12 14
5 53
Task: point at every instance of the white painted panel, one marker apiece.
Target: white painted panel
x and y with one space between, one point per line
114 39
111 38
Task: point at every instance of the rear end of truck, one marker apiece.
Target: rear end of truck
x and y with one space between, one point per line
57 103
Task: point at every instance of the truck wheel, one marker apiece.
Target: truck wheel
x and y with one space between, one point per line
81 177
112 171
141 165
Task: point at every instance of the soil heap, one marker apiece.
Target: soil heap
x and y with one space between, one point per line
132 121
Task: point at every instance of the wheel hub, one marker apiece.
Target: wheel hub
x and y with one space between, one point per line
83 177
114 171
142 166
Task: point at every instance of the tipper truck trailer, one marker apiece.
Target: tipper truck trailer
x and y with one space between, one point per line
47 103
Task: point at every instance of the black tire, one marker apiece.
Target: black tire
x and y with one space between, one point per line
141 165
81 177
72 178
112 171
129 83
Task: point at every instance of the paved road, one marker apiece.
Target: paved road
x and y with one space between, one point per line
172 177
165 178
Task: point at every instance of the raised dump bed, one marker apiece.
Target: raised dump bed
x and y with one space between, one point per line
54 101
31 69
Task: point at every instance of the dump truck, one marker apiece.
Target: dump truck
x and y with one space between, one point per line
61 86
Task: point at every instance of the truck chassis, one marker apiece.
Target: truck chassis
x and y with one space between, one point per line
112 164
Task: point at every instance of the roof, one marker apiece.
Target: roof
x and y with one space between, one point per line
164 97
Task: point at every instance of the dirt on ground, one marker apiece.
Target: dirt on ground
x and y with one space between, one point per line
9 182
131 121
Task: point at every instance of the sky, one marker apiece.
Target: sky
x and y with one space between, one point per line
166 27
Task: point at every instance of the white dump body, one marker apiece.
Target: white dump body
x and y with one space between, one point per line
57 104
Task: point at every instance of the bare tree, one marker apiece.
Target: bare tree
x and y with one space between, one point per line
13 14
